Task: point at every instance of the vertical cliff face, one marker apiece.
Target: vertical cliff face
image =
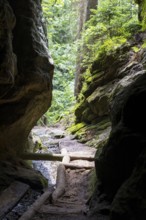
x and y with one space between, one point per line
26 74
114 91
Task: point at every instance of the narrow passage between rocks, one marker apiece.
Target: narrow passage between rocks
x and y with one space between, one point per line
69 179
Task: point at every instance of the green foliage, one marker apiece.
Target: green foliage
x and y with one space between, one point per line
136 49
61 20
108 28
61 104
60 17
144 44
144 15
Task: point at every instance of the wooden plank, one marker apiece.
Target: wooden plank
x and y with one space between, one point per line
60 183
11 196
62 202
60 210
43 156
54 157
78 166
81 157
35 206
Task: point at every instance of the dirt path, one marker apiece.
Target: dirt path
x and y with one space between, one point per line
72 205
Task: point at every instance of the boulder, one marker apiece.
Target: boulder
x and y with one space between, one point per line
121 165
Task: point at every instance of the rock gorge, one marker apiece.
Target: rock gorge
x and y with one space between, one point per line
110 112
110 115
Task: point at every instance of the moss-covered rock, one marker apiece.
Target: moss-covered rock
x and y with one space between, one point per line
74 128
117 94
121 167
100 81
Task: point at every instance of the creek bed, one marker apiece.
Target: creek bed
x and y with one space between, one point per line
47 168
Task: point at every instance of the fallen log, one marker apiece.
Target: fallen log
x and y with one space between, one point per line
53 157
60 183
62 202
78 166
43 156
35 206
61 210
11 196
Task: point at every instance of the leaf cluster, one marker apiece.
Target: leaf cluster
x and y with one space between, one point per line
110 25
60 16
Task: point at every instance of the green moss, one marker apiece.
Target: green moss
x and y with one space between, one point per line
144 44
104 126
95 76
135 49
84 87
80 107
44 182
74 128
87 74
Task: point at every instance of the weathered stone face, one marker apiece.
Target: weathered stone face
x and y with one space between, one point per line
115 89
121 166
25 72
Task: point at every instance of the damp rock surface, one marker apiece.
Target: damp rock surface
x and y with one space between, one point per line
26 72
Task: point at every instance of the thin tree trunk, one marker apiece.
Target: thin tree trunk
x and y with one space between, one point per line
54 157
35 206
91 4
84 15
60 183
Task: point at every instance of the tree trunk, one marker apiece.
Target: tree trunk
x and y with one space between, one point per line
60 183
54 157
84 15
91 4
28 215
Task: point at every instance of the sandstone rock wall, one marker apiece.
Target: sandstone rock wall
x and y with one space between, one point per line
114 91
26 72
